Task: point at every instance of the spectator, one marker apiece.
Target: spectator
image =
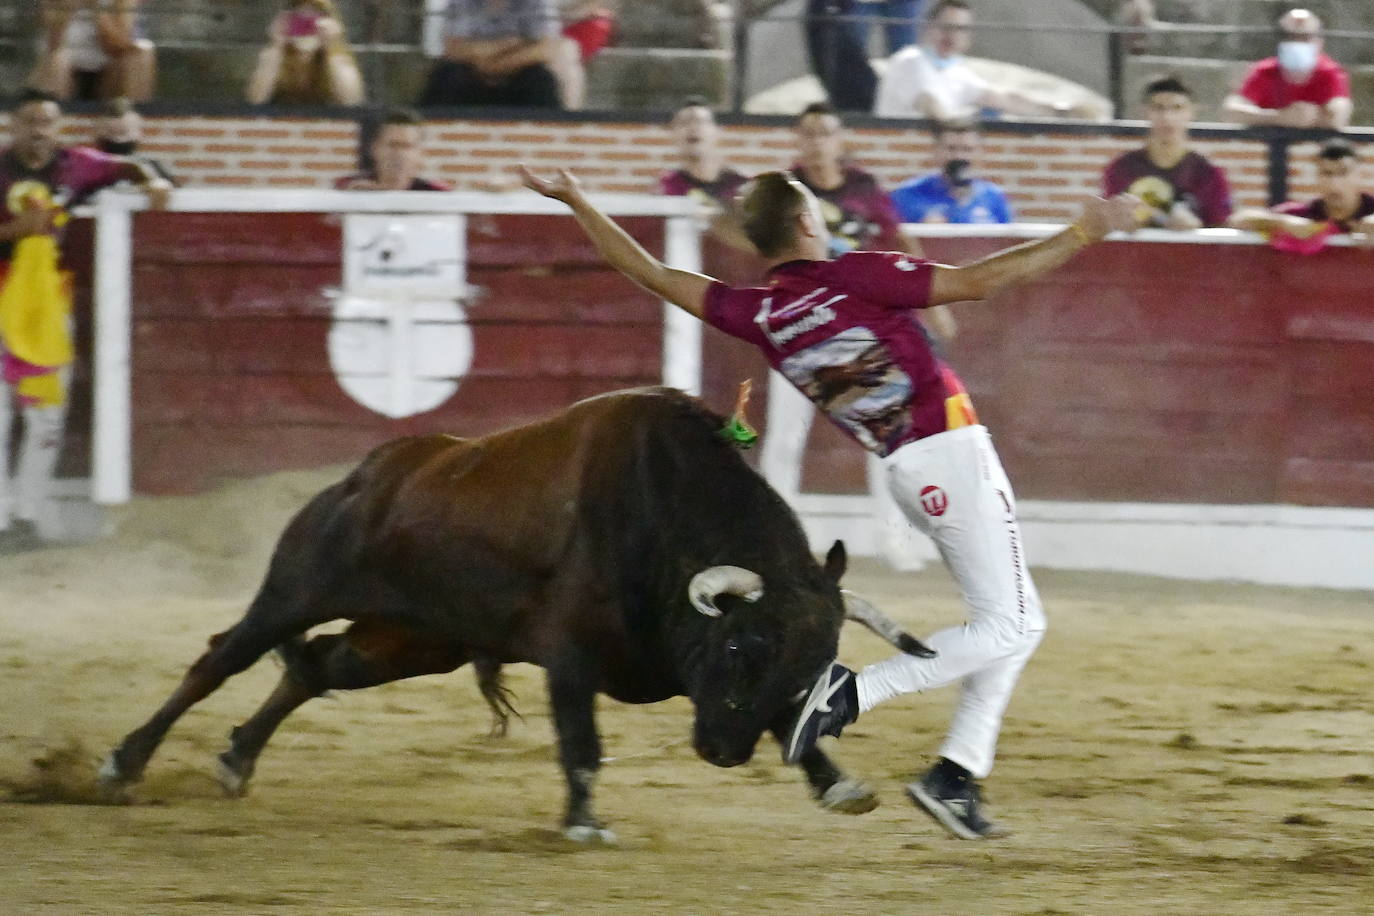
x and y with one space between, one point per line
1300 87
838 58
119 131
589 26
951 194
497 52
39 182
307 60
859 215
394 156
899 22
701 172
1341 206
94 49
934 81
1179 188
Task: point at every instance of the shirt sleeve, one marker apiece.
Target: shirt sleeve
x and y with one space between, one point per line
1215 198
885 217
93 170
1112 180
888 278
1338 83
898 88
1003 209
733 310
1254 88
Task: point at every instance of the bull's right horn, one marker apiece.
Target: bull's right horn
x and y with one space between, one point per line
723 580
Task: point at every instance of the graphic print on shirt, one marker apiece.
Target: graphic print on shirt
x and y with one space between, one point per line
854 379
849 231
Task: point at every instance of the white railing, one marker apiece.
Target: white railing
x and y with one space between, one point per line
111 459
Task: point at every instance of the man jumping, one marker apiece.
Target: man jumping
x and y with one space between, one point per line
843 332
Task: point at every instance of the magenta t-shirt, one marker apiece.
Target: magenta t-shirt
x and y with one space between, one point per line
845 334
68 178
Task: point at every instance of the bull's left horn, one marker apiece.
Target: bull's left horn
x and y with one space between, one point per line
723 580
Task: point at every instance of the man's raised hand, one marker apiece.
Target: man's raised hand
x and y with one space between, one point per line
562 186
1101 216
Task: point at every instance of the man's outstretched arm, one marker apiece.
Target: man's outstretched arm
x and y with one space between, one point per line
683 288
988 276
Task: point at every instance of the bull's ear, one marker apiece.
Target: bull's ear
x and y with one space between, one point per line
836 559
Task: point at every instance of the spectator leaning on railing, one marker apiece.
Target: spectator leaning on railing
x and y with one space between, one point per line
934 81
497 52
40 181
94 49
307 59
119 131
1299 87
395 155
1341 206
951 193
1179 188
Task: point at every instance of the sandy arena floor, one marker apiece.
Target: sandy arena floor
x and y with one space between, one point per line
1174 748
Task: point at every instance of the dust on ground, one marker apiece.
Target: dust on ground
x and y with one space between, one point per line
1173 748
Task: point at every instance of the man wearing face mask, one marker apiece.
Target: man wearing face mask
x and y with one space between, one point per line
119 131
951 194
1299 87
934 80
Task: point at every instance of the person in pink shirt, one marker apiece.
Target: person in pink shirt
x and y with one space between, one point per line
844 332
1299 87
40 181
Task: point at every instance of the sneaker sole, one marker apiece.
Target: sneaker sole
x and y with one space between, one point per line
931 805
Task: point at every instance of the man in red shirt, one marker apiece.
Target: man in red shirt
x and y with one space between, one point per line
1300 87
843 331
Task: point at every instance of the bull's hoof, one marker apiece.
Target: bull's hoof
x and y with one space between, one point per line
849 796
233 775
114 784
581 833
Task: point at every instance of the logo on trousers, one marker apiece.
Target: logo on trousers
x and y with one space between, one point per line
934 500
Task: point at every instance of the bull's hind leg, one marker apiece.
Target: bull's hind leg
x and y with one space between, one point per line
369 653
831 787
229 653
572 694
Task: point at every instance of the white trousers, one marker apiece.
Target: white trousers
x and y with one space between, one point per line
952 487
40 442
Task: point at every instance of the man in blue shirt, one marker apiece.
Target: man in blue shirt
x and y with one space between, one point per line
951 194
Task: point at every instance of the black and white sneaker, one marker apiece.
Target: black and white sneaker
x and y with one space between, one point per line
832 704
956 804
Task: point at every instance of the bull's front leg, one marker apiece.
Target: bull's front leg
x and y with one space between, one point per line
832 789
572 695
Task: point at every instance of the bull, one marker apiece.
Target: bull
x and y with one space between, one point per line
622 544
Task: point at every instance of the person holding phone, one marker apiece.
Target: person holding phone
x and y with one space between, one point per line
307 60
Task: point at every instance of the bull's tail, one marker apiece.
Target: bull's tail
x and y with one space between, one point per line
498 696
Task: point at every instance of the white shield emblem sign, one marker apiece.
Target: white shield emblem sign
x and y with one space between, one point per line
400 343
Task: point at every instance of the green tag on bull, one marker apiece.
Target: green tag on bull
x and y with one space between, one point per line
739 433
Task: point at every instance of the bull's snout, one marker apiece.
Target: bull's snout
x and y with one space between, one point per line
720 756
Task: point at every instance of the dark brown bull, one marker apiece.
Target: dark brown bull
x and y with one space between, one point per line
622 545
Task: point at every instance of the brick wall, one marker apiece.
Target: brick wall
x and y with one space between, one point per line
1045 173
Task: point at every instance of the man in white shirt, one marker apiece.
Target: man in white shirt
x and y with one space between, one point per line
936 82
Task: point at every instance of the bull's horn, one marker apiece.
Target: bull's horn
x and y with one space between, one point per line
723 580
862 611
